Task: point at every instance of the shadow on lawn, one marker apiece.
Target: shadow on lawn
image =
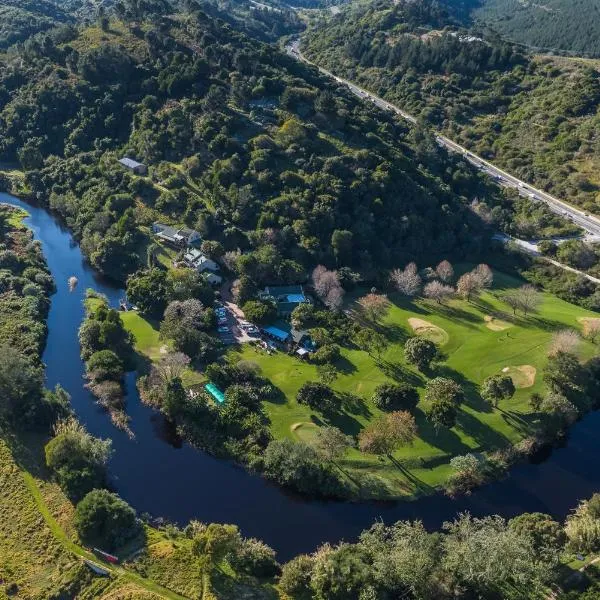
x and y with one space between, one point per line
486 437
399 372
344 366
354 404
421 486
472 396
523 423
445 439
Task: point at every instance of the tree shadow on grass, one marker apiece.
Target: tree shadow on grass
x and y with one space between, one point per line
395 334
445 439
342 420
486 437
455 313
398 372
409 304
522 423
421 486
344 366
472 397
354 404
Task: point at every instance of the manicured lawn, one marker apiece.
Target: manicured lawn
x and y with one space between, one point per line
483 338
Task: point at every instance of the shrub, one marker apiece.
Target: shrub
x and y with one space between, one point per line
295 576
327 354
255 558
317 396
400 396
296 465
420 352
104 520
259 312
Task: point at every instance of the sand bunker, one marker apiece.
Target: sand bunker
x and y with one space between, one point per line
428 331
496 324
523 376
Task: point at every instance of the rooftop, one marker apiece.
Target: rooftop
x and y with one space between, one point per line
130 163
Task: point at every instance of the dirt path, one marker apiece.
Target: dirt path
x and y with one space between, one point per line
77 550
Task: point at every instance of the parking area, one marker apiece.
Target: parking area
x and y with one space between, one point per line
232 327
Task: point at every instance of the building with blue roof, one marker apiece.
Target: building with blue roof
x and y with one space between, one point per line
285 297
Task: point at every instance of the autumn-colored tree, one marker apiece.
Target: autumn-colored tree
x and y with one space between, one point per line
445 271
407 281
591 329
436 290
374 306
468 285
565 340
484 275
327 287
387 433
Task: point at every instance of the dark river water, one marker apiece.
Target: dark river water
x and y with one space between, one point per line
180 483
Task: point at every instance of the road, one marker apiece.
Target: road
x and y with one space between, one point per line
589 223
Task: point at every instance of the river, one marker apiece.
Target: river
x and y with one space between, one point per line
180 483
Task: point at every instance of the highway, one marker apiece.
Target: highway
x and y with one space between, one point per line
589 223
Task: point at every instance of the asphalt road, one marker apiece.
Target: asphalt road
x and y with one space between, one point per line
589 223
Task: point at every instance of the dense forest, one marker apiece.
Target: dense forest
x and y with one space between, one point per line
536 116
571 26
250 148
20 19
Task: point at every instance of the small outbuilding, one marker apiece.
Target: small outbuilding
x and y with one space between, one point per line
176 236
134 166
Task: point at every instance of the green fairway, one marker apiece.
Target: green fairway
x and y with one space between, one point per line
478 339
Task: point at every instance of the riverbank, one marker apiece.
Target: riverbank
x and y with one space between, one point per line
159 474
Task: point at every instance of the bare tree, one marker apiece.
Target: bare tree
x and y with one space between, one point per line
435 290
327 287
530 298
445 271
468 285
484 275
526 298
169 367
407 281
565 340
374 306
591 329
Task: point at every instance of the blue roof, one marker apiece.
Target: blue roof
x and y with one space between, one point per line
296 298
276 332
215 392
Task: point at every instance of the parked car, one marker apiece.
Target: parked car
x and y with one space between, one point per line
223 329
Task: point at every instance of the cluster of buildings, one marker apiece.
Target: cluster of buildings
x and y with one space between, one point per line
185 238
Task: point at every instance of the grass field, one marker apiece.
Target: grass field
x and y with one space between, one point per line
477 340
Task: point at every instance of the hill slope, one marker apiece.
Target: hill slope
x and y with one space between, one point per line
566 25
253 149
535 116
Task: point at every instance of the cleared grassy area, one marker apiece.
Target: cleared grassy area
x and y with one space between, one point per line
477 347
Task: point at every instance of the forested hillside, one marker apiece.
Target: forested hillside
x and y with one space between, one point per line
572 26
537 116
20 19
249 147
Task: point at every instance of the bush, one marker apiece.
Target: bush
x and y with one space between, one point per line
259 312
317 396
391 397
420 352
105 521
255 558
297 466
104 364
327 354
295 576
